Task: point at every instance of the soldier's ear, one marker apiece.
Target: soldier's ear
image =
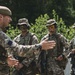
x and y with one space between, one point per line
1 16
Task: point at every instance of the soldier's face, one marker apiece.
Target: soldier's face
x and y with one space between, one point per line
5 20
23 28
51 28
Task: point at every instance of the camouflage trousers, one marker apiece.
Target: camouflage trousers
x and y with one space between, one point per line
61 73
53 68
58 71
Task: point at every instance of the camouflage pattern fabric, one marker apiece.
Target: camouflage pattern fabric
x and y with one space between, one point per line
4 68
21 50
72 44
72 55
50 65
29 39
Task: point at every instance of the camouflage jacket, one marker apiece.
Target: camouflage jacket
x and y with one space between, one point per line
72 55
48 58
21 50
72 43
4 68
29 39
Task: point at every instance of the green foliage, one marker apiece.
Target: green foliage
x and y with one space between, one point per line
68 32
62 28
39 27
12 32
71 33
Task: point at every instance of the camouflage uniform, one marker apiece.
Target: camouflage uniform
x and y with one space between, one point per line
49 64
29 39
22 51
7 42
72 55
4 68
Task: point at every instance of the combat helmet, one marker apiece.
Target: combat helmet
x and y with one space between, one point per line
24 21
73 26
5 11
51 22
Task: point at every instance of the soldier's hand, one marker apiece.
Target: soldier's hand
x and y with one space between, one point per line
47 44
59 58
12 61
73 50
18 66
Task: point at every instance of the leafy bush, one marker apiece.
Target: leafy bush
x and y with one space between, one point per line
12 32
39 27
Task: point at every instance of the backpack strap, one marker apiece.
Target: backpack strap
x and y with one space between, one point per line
30 42
62 63
59 44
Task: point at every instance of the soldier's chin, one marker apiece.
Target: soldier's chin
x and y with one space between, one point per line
24 31
52 32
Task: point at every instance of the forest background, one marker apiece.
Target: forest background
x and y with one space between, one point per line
38 12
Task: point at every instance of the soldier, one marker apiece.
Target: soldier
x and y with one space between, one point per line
52 61
7 42
4 68
25 38
72 53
